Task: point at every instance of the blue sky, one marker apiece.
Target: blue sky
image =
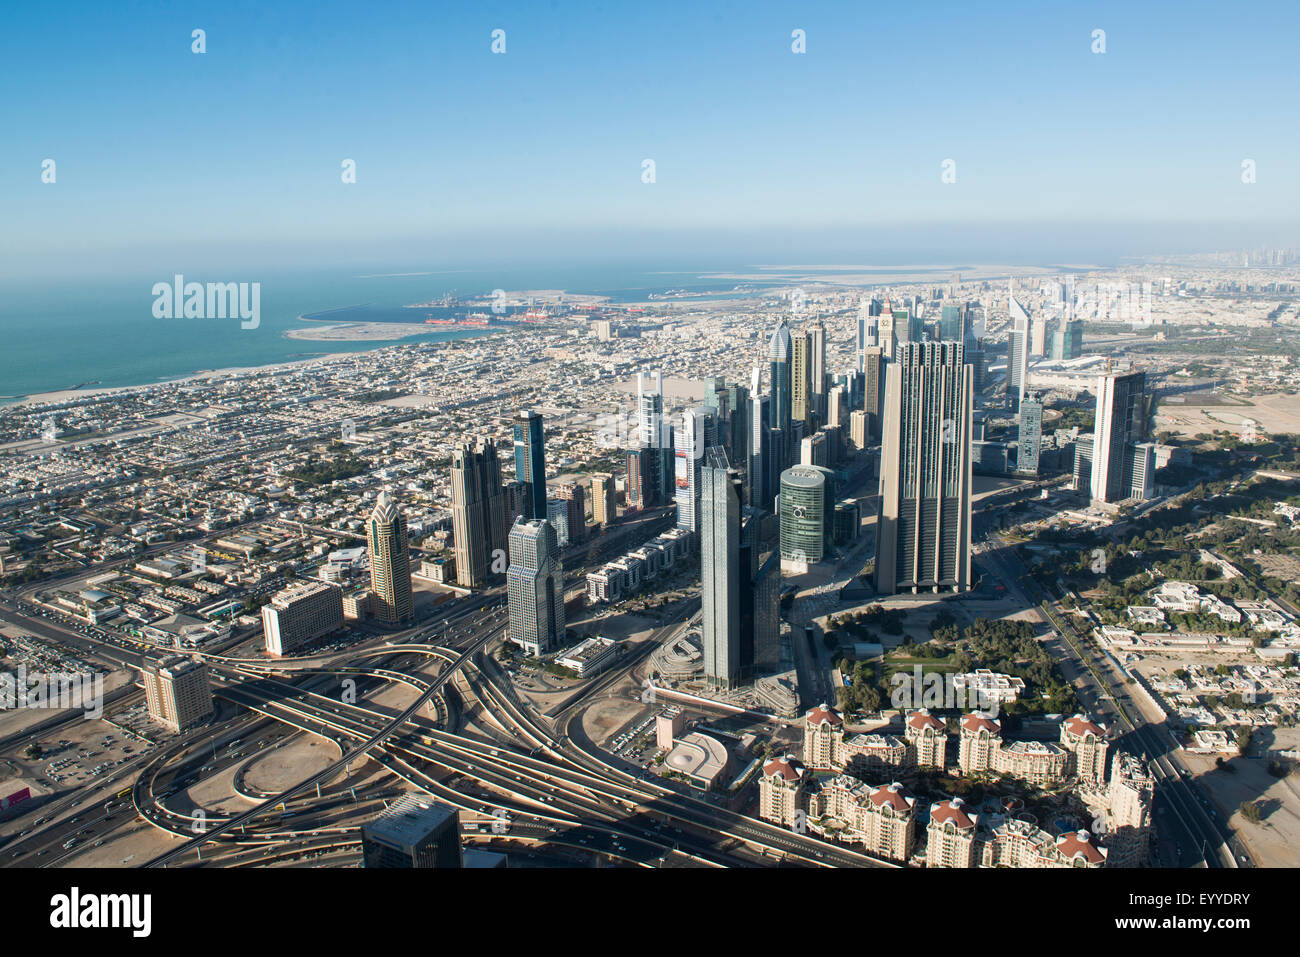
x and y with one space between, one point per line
236 153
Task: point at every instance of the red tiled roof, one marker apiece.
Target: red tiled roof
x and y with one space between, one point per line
789 768
891 795
823 713
1081 724
920 720
1075 843
946 811
978 722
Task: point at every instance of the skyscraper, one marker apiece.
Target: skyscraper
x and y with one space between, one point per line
868 328
801 407
603 505
1031 435
720 571
698 431
575 498
478 510
656 458
1017 356
758 475
778 354
817 369
1038 336
413 832
924 526
806 516
952 322
535 588
530 461
1067 339
390 562
1119 427
873 369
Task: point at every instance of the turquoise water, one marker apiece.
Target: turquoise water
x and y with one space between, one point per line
64 335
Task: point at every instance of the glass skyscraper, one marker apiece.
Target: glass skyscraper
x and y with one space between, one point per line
924 527
530 462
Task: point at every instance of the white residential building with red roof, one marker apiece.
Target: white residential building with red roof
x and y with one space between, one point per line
1085 740
781 791
951 836
927 740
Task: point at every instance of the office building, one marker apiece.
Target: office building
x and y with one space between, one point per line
758 478
778 354
390 563
873 403
806 516
557 513
479 510
642 469
924 525
1067 339
953 323
530 462
300 614
698 431
413 831
817 369
1031 435
868 328
604 508
720 570
1119 427
535 588
176 692
1038 336
575 498
1017 356
801 385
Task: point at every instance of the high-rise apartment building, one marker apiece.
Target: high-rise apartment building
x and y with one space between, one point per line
300 614
390 563
176 692
604 506
479 510
801 363
535 588
873 370
924 526
574 497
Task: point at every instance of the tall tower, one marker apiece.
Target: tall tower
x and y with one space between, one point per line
603 507
868 328
699 431
801 407
535 588
758 474
390 562
1119 427
530 462
817 368
924 525
1031 435
720 570
873 364
1017 355
478 510
778 354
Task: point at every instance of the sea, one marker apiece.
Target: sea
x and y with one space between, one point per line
70 335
